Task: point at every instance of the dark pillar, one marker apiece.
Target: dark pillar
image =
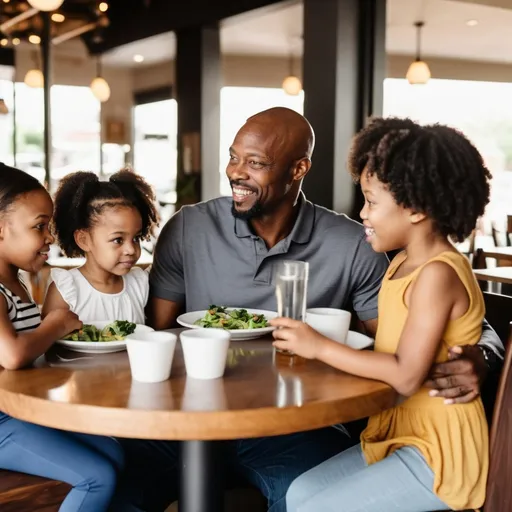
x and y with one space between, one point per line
344 69
47 74
198 84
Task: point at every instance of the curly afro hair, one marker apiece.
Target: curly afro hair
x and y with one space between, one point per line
82 197
430 169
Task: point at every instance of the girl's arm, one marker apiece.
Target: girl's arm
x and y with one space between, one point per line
435 293
53 300
20 349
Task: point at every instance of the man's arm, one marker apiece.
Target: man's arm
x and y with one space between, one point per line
460 379
161 314
166 278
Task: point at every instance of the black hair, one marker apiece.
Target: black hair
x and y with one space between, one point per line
15 183
431 169
82 197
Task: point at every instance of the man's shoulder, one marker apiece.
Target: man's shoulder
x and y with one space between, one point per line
340 223
214 208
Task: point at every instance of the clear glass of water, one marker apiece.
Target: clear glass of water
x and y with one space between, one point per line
291 282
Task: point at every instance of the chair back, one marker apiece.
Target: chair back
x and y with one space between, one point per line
499 488
498 312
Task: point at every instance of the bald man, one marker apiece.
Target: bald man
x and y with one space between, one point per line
222 252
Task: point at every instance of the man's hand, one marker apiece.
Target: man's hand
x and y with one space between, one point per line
459 379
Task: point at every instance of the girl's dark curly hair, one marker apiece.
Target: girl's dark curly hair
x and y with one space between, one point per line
430 169
82 197
15 183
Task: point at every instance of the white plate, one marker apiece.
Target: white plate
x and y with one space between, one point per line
100 347
188 319
358 341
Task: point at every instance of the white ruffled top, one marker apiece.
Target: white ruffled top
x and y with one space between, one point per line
90 304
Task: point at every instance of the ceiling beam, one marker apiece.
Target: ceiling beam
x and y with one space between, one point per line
132 20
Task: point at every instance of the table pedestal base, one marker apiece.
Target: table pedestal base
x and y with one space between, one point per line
202 477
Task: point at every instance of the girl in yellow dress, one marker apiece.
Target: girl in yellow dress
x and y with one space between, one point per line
423 185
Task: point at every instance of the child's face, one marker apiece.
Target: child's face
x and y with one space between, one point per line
387 224
114 241
25 238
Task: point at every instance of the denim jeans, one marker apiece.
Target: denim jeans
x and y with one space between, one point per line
269 464
402 482
89 463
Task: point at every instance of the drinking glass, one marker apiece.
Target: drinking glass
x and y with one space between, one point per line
291 282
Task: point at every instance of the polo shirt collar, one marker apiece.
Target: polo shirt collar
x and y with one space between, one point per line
302 229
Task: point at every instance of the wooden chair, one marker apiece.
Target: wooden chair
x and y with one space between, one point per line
26 493
499 490
498 312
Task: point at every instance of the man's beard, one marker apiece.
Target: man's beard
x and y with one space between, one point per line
252 213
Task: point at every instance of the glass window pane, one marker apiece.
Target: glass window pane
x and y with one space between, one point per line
155 150
481 110
6 126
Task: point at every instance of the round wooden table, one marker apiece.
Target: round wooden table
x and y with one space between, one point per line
261 394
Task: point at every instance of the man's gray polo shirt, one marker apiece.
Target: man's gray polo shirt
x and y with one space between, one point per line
205 256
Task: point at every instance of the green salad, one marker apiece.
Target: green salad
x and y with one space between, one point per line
116 331
221 318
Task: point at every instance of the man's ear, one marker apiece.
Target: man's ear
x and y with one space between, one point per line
301 169
83 240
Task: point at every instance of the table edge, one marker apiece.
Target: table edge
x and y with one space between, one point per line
192 425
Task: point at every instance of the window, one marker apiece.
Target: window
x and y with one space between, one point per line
481 110
239 103
155 150
75 128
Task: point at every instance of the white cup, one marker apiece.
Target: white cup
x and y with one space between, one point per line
330 322
151 355
205 352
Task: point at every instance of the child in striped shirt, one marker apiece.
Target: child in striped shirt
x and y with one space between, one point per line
89 463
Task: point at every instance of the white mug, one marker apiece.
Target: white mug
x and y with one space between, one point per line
330 322
151 355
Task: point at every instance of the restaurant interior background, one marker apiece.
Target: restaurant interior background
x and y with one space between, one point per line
464 44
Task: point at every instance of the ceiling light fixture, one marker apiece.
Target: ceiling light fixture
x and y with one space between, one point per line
16 41
4 42
103 7
34 39
46 5
58 17
99 86
418 72
138 58
291 84
34 78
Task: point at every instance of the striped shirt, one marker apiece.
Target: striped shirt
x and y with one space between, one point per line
24 316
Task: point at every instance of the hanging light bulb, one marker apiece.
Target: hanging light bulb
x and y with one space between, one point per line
46 5
100 89
99 86
291 84
418 72
34 78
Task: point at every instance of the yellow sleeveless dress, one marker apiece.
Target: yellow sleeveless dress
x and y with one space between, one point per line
452 438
